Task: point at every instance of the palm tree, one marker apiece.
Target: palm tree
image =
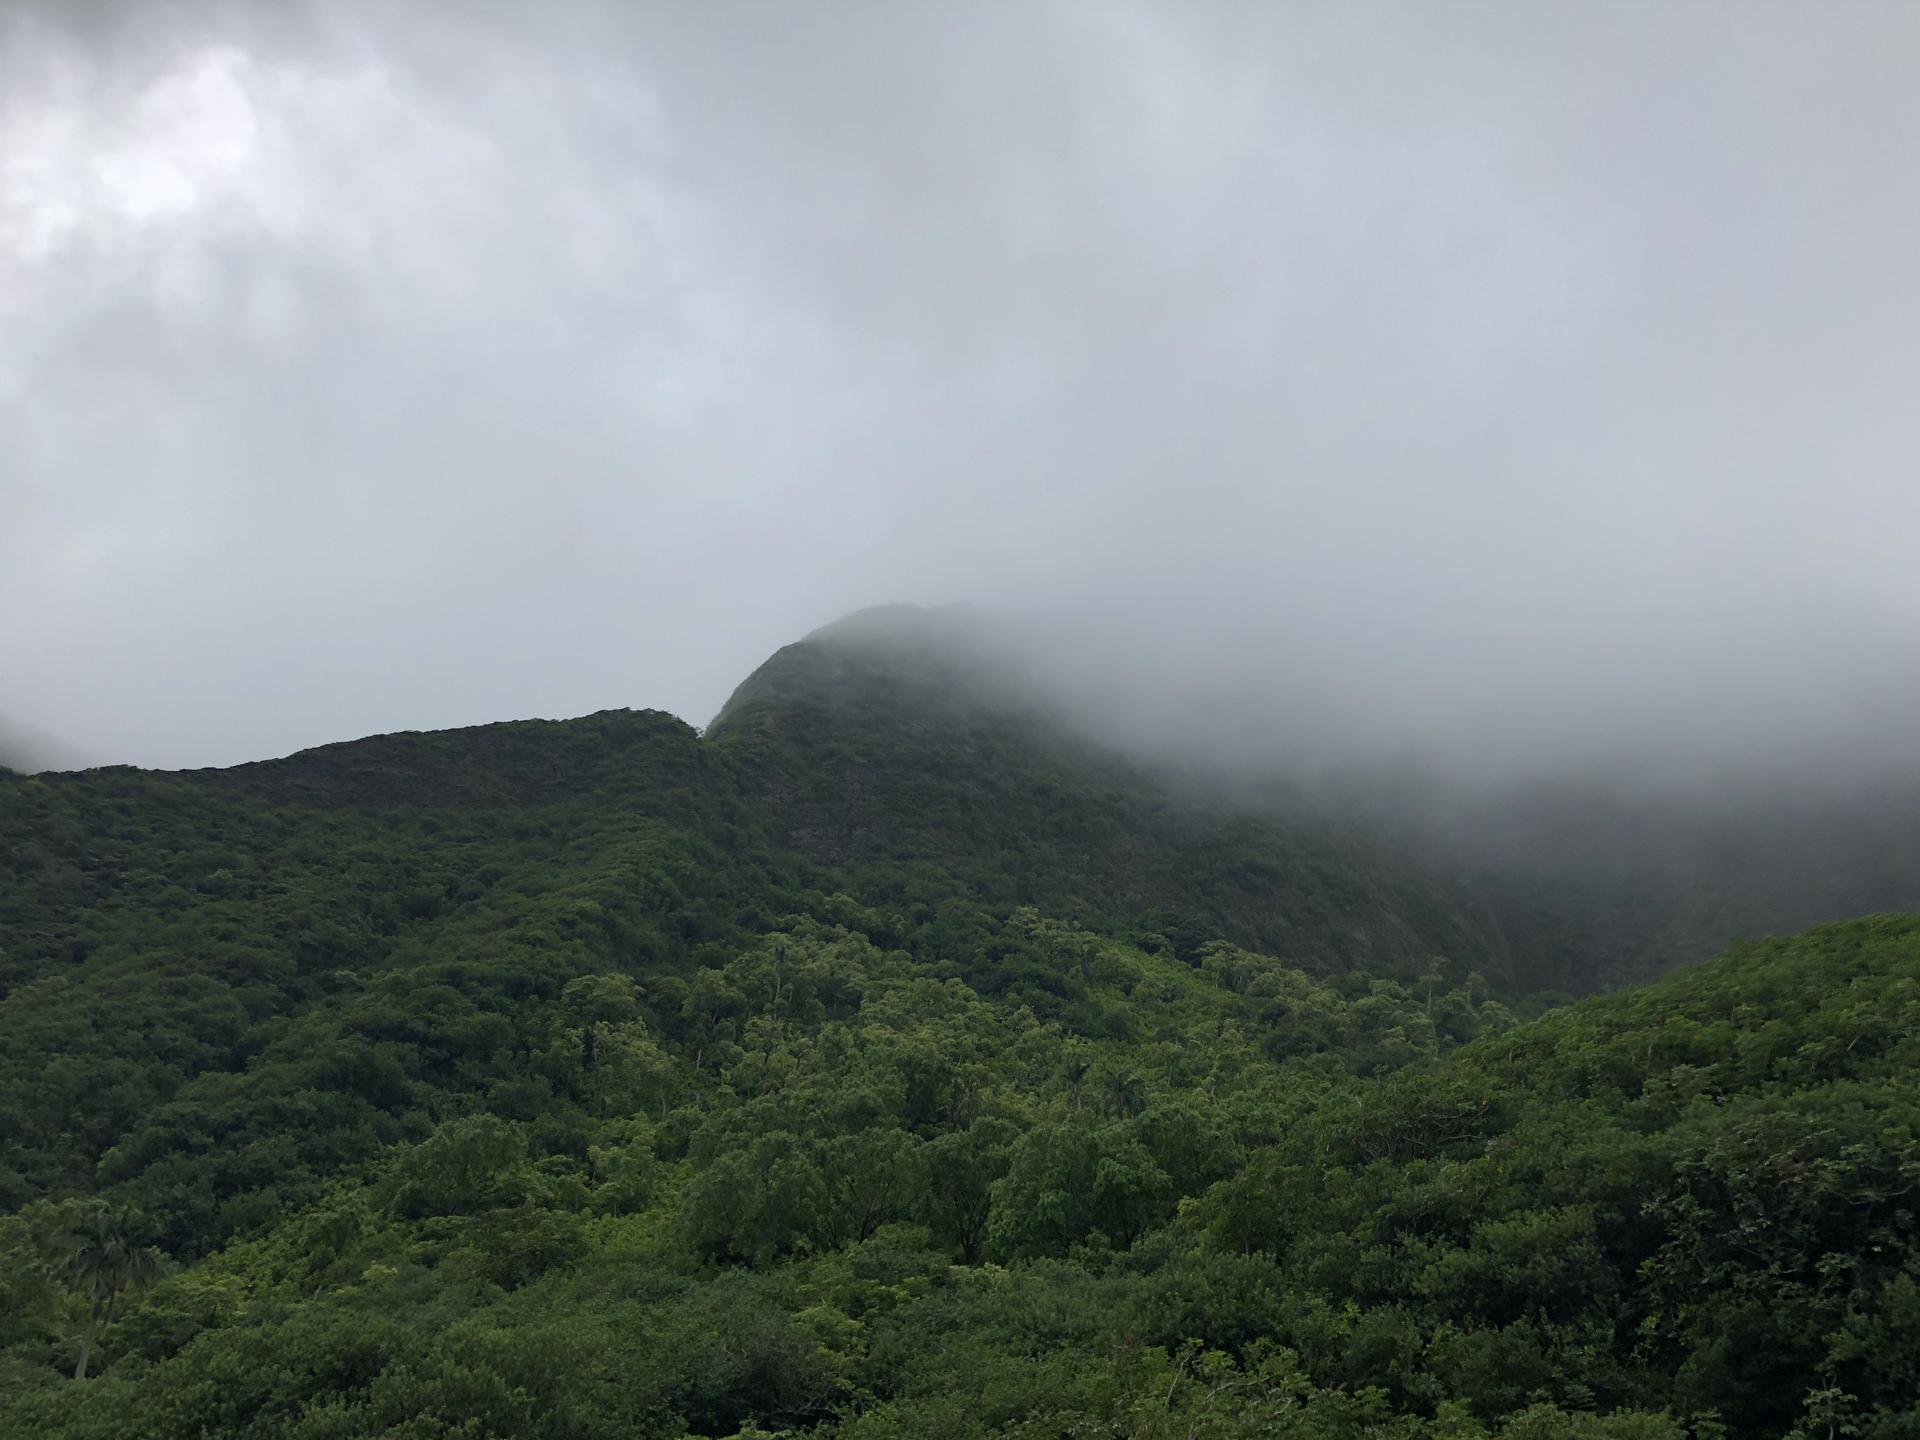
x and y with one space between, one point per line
1124 1092
104 1266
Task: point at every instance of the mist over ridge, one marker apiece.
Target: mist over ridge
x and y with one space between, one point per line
1575 870
1527 387
1808 704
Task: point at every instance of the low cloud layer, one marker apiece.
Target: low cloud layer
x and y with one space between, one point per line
1518 382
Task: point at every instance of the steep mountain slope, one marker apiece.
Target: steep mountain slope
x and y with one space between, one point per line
889 1062
901 744
815 1190
900 748
1593 885
172 934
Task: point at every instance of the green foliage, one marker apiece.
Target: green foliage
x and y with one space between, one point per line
602 1079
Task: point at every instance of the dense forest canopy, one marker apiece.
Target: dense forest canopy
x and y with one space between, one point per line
887 1061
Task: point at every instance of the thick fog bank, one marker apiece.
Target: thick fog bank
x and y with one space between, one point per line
1680 705
28 751
1518 384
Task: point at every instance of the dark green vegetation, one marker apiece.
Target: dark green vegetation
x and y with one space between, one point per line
1593 886
887 1064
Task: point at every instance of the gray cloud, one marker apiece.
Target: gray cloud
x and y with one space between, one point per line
1503 378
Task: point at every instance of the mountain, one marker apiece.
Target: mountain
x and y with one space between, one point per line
883 767
889 1059
903 749
902 736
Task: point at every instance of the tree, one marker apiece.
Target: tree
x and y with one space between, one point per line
103 1264
962 1166
460 1169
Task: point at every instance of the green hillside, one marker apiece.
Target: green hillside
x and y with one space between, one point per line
887 1062
899 750
1594 888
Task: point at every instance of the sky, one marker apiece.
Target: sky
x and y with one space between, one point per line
1527 381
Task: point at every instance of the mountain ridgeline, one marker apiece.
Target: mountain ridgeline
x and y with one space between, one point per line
891 1059
895 748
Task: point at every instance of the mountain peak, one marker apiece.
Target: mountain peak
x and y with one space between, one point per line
903 622
902 738
934 659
